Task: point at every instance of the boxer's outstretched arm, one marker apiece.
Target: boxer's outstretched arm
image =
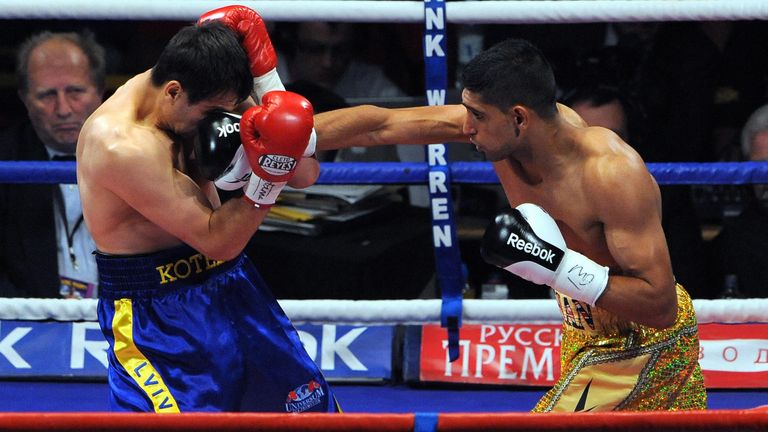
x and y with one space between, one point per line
367 125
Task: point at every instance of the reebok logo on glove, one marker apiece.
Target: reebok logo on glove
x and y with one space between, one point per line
227 129
531 248
277 164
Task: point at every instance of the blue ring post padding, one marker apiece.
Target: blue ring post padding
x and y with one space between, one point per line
425 422
447 259
41 172
447 253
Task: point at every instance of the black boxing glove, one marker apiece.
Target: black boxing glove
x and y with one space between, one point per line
527 242
217 143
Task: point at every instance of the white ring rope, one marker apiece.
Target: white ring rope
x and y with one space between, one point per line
458 12
392 312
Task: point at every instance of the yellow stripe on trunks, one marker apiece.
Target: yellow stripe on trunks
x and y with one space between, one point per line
134 362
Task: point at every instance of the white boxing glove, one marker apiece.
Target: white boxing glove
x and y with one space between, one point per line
240 176
237 174
528 243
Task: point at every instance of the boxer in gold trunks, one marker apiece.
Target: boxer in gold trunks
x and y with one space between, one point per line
609 364
586 221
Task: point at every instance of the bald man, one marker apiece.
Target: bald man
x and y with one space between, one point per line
45 248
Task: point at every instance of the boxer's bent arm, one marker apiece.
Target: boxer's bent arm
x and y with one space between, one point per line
367 125
627 202
143 177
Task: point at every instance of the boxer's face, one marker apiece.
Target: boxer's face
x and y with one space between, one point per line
185 116
61 94
490 130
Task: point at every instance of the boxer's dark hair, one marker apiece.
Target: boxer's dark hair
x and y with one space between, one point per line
207 60
513 72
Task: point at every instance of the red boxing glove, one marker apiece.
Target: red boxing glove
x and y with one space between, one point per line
274 137
252 31
254 38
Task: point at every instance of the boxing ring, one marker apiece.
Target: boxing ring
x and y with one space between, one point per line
58 398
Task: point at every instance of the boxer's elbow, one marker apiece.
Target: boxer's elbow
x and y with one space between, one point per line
220 253
664 320
223 249
664 315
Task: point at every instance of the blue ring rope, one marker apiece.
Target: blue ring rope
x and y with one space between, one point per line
667 173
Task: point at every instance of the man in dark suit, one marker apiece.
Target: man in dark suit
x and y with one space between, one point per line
739 248
45 248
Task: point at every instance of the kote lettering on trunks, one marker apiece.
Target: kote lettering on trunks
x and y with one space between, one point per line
183 268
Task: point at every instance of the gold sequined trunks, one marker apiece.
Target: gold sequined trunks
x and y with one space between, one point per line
609 364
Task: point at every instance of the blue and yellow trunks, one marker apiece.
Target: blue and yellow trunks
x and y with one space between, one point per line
187 333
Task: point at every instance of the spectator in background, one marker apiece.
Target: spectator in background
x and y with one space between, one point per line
740 245
327 53
601 106
699 84
607 107
45 248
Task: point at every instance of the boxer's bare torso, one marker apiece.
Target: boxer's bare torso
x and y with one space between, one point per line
597 188
600 193
129 139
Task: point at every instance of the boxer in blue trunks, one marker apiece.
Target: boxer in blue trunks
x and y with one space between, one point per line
230 345
190 324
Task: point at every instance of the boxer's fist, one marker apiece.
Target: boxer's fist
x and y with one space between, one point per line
528 243
274 137
221 156
251 31
254 38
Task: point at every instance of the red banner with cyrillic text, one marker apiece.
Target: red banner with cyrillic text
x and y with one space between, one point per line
523 354
730 355
734 355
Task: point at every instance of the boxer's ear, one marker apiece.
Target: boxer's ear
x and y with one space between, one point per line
173 90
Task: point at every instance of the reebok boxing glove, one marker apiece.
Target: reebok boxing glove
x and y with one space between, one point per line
217 143
274 136
528 243
254 38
